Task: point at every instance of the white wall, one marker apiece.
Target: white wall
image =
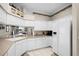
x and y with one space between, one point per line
40 17
67 12
75 11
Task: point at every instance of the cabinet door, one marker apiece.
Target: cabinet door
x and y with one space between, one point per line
20 22
29 23
12 50
50 25
54 44
41 42
64 38
28 44
12 20
31 44
40 25
2 16
45 42
49 40
20 48
54 39
23 22
24 45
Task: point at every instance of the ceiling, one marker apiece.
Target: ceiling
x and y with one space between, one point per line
43 8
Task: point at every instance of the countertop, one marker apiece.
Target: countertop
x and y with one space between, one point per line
16 39
6 43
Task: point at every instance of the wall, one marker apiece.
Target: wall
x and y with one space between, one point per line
75 14
62 14
36 17
40 17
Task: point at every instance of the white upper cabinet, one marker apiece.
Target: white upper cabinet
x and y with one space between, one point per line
20 22
29 23
41 42
41 25
0 13
50 25
12 20
2 16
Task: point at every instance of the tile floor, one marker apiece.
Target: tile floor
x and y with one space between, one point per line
40 52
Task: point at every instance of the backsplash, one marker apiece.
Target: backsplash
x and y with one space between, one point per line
7 31
21 31
3 31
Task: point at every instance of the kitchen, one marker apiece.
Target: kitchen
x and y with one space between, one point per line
28 27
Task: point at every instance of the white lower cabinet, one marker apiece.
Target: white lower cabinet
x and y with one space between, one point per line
49 40
36 43
39 42
54 44
18 48
55 38
12 50
42 42
31 44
